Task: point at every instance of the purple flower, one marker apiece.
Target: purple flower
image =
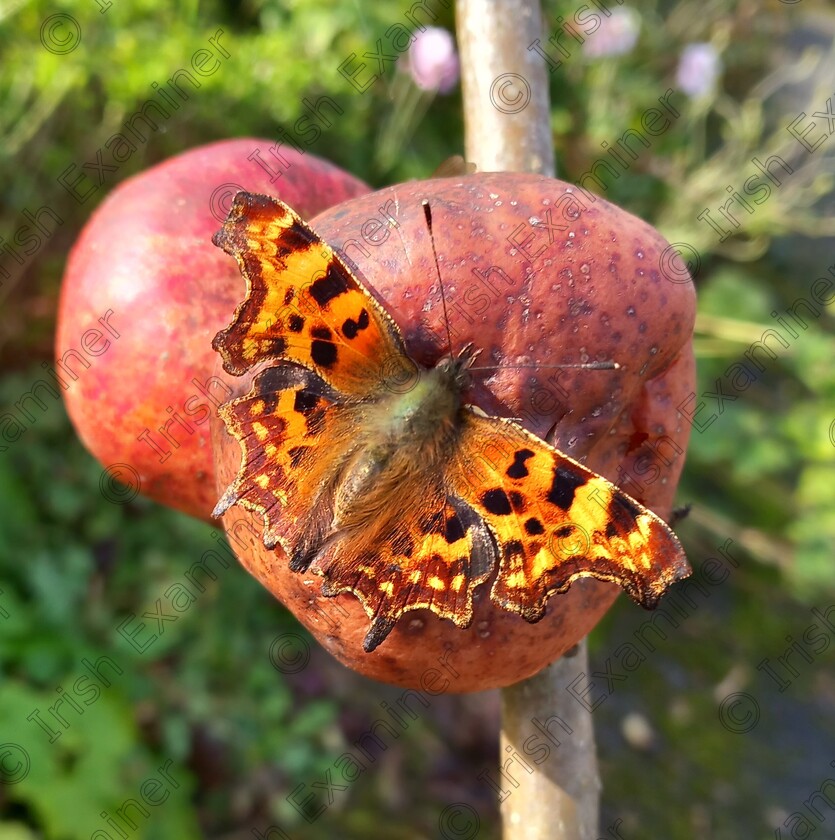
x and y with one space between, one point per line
616 35
433 61
698 69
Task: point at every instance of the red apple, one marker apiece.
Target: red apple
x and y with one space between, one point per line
144 293
536 272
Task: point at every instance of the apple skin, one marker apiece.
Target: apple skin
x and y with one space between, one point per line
592 288
145 264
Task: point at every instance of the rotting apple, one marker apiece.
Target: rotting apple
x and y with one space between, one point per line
537 273
143 294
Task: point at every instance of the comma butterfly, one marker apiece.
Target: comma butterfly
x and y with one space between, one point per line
370 470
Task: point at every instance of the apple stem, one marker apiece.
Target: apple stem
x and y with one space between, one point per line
550 785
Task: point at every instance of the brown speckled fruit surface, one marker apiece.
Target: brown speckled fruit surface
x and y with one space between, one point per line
536 273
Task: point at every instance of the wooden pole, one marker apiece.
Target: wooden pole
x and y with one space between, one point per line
507 127
560 799
505 86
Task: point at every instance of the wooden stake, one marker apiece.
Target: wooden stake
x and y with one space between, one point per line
505 86
507 127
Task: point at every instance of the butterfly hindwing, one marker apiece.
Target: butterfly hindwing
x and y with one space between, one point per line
303 303
293 434
434 557
554 520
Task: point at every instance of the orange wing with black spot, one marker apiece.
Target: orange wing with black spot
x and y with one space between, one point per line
555 521
303 304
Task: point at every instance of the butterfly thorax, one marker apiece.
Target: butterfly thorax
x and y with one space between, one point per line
401 436
415 413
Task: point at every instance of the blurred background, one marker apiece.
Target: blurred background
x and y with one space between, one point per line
697 741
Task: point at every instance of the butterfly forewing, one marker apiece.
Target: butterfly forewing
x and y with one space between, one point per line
554 520
303 304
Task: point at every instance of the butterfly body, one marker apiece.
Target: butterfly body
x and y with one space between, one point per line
371 471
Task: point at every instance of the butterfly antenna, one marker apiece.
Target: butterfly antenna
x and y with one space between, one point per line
582 365
427 212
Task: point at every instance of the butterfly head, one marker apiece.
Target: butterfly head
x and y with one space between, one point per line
456 369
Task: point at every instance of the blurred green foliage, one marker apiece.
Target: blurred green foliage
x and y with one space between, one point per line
205 696
76 567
